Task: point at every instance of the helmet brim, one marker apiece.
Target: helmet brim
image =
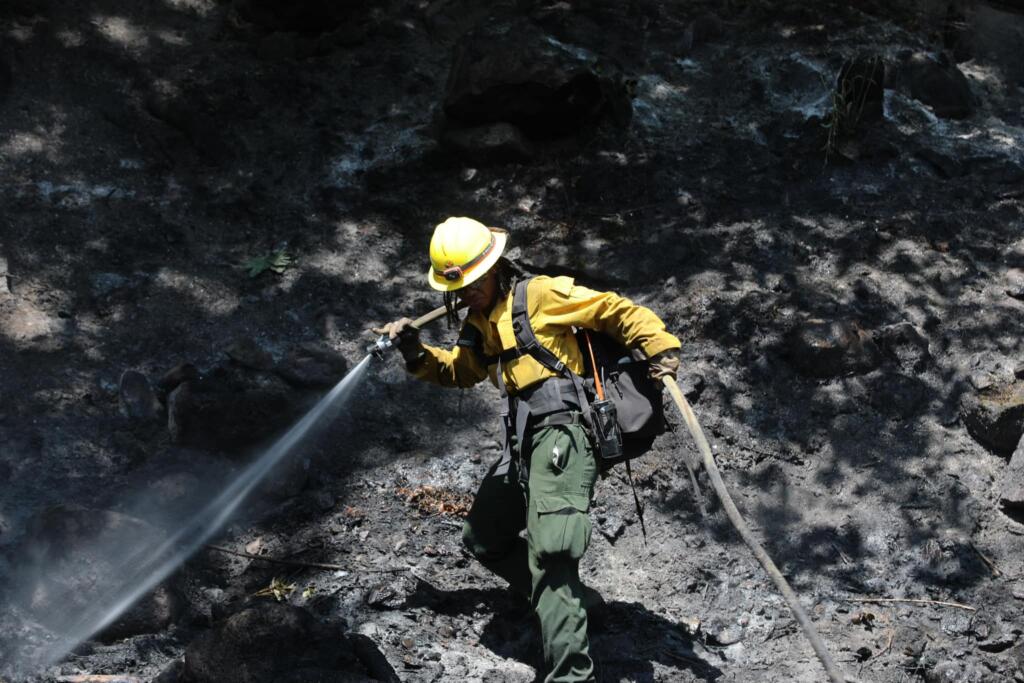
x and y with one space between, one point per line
478 270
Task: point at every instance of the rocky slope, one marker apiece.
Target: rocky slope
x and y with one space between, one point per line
825 203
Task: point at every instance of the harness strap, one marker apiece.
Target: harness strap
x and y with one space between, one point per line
505 356
527 340
569 417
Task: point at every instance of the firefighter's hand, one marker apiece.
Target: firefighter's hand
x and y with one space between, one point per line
405 337
665 364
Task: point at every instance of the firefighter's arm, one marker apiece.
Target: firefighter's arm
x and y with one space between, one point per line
458 367
563 302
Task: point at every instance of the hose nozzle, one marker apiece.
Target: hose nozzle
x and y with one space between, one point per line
380 347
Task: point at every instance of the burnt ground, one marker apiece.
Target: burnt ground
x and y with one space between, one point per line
150 149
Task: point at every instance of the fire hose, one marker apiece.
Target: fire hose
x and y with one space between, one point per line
834 675
384 343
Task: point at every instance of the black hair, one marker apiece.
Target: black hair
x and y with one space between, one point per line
508 271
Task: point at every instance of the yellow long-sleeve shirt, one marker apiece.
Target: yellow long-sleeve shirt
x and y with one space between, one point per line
555 305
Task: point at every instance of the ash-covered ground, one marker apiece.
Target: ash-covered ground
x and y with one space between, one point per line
843 260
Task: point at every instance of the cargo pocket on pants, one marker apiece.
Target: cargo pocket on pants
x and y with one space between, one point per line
561 526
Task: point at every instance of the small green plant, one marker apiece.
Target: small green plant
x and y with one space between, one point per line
849 98
278 588
276 261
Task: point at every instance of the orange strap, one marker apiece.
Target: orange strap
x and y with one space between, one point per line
593 365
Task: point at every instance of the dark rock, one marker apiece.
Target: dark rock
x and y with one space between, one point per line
945 166
707 28
906 345
6 75
513 72
956 33
272 642
248 353
136 396
860 90
287 480
938 83
611 525
1011 488
899 394
183 372
994 415
372 658
821 348
5 290
211 414
494 143
104 284
955 671
179 403
172 673
391 594
196 116
75 555
308 16
280 46
312 366
1014 282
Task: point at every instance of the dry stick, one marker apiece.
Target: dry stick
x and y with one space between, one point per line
937 603
307 565
835 676
988 563
98 678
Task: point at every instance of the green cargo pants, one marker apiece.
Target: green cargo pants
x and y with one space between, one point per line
544 566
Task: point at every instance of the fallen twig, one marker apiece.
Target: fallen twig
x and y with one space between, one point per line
310 565
937 603
988 563
274 560
98 678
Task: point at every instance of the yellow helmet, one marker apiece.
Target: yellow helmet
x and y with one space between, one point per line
461 251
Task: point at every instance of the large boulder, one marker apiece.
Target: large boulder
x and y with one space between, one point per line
77 557
514 73
831 348
937 82
994 415
272 643
206 415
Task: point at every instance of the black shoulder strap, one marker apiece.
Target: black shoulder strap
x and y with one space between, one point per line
527 342
526 339
473 339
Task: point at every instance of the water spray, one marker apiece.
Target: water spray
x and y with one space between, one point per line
153 559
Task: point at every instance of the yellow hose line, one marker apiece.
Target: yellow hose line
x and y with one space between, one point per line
835 676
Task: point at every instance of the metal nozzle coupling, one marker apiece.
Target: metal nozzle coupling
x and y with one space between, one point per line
378 347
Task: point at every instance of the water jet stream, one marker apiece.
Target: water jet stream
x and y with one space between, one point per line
145 566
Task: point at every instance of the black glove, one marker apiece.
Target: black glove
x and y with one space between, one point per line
406 338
